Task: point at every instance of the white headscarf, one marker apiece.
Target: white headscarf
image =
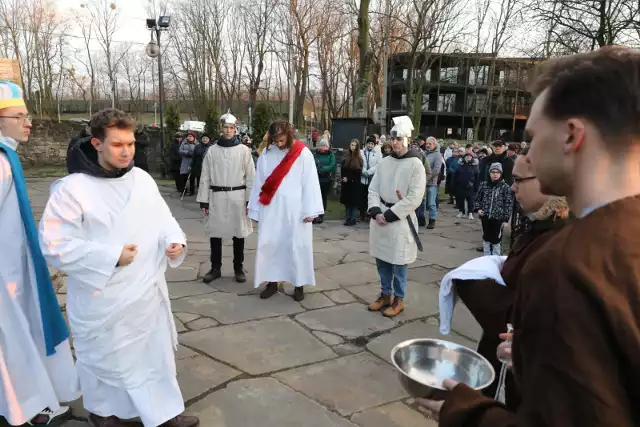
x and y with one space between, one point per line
402 129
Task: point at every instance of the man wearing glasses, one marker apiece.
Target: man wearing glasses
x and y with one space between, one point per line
38 369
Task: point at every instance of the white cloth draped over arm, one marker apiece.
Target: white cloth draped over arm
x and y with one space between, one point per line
485 267
254 200
205 179
172 233
249 174
311 195
65 247
413 198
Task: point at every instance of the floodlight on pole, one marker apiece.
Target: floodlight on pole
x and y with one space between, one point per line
154 50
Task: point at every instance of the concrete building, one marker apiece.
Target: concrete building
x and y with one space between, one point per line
475 97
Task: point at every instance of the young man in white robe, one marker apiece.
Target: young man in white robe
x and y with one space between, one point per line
226 181
36 365
108 228
285 200
395 192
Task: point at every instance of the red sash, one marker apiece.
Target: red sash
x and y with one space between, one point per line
272 183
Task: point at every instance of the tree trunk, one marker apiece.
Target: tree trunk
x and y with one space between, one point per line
363 87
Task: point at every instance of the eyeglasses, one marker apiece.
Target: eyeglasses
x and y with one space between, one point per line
518 180
21 117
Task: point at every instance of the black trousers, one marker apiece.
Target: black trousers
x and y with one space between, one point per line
192 182
462 197
491 230
216 253
177 178
325 188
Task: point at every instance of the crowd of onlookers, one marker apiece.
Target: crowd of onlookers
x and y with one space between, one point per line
477 179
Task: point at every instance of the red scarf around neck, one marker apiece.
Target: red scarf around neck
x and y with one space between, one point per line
272 183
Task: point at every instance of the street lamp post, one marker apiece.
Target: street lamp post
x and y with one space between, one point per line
154 51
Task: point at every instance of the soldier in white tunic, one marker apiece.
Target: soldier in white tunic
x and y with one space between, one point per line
226 181
108 228
36 366
395 192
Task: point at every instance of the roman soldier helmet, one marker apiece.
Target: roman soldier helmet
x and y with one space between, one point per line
228 118
402 129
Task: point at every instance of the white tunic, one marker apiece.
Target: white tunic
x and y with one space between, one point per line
285 242
393 242
29 380
120 317
227 167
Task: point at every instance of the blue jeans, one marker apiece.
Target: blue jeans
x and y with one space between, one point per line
352 212
421 210
393 278
432 196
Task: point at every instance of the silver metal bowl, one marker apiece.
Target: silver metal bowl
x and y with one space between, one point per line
424 363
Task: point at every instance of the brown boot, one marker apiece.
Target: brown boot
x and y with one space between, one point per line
270 290
382 301
97 421
395 308
182 421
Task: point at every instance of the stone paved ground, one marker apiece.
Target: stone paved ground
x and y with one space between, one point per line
324 362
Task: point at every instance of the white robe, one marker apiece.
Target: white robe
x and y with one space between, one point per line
29 380
285 242
120 317
227 167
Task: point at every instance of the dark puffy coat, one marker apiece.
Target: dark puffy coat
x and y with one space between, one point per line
199 152
140 158
507 166
351 192
466 179
495 200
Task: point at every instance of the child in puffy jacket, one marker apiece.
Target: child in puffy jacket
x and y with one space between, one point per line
494 203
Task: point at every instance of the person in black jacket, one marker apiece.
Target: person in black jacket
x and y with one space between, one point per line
175 159
499 156
198 156
83 134
140 159
351 171
466 181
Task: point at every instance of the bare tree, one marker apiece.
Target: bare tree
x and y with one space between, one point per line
258 23
587 24
363 87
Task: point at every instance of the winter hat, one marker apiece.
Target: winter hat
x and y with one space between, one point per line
192 133
495 166
10 95
371 139
323 143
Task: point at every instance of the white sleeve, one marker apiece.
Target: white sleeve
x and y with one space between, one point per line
205 179
65 246
172 231
254 203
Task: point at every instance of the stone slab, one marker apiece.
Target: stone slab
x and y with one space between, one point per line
327 338
425 275
196 375
444 256
321 260
395 414
183 273
202 323
381 346
188 289
315 301
421 300
229 308
179 325
184 352
260 347
323 283
263 402
349 321
346 349
186 317
348 384
351 274
340 296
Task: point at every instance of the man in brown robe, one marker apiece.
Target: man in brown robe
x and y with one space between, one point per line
576 318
